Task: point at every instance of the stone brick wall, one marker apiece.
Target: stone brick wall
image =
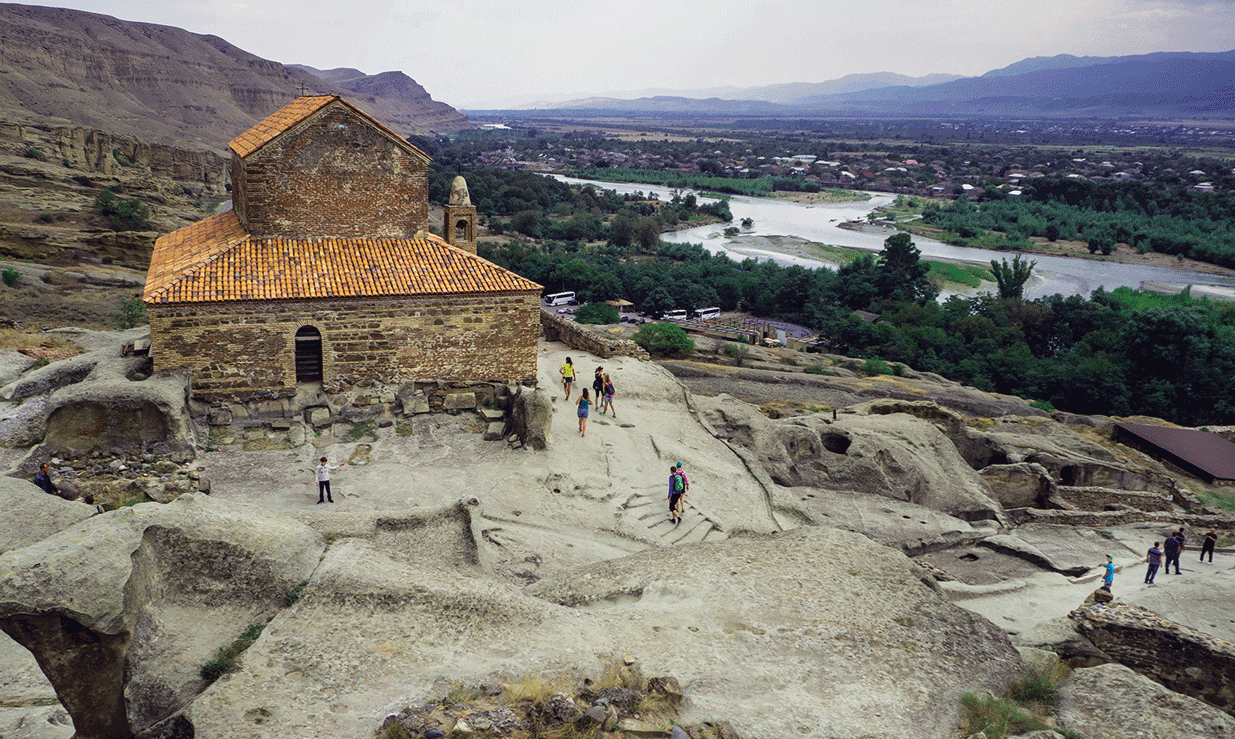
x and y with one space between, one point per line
582 338
1101 499
333 175
247 350
1181 658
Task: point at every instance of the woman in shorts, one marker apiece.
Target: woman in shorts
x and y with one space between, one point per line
583 406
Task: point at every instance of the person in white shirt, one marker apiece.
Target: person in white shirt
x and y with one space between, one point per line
323 479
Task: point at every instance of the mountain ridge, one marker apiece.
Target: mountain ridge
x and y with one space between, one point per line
164 84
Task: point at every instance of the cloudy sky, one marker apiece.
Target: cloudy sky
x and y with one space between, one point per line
475 53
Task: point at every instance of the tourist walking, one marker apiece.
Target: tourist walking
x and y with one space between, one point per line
583 406
1154 558
598 387
608 402
568 376
685 489
1109 577
1183 541
1170 548
1207 545
677 488
323 479
43 480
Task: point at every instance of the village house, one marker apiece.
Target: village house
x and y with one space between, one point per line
323 271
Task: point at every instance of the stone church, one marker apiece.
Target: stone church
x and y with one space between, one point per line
323 271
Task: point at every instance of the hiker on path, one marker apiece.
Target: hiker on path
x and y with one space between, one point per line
598 386
677 488
323 479
1109 577
568 376
685 490
608 397
1170 547
43 480
1211 539
583 407
1154 558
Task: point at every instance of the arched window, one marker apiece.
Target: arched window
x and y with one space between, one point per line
308 354
461 231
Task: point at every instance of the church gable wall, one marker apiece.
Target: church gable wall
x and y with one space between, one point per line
248 349
334 175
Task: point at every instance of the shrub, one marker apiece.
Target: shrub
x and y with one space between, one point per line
875 366
1035 686
10 276
815 369
130 314
597 313
664 339
1043 405
125 214
228 656
738 352
35 153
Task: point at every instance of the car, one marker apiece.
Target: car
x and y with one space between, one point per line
566 310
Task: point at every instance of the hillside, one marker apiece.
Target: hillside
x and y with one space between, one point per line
164 84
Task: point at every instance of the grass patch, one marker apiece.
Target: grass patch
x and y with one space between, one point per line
815 369
970 275
228 658
536 688
361 431
404 429
1217 500
997 717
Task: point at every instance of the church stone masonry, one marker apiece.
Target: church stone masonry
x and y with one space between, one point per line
323 271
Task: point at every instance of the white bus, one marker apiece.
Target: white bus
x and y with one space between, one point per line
707 314
675 315
560 299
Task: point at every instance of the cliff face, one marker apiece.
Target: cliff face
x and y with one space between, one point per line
163 84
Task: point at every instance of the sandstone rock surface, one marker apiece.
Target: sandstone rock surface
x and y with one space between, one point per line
1113 702
122 610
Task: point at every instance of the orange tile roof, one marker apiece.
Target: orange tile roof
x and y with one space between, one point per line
216 261
293 113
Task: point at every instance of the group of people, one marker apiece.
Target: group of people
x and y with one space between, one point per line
1172 548
602 385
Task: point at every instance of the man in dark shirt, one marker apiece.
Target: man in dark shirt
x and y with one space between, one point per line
1171 548
43 480
1208 544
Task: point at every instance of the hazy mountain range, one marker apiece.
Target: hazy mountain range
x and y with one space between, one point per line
167 85
1165 84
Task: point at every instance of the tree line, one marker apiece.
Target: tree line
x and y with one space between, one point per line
1114 353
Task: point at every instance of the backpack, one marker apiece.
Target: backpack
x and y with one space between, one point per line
677 484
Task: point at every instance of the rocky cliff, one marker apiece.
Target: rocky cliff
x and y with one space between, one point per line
162 83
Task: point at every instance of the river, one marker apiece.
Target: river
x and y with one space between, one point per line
821 223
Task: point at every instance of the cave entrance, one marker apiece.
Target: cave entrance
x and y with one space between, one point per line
308 354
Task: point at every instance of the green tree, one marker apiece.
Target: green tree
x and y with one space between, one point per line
664 339
597 313
131 313
125 214
658 302
1010 279
902 274
647 234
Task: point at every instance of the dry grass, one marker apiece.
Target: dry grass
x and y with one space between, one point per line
536 688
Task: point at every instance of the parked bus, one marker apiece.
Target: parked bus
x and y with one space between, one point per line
560 299
675 315
707 314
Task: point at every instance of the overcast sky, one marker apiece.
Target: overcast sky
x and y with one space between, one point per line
471 53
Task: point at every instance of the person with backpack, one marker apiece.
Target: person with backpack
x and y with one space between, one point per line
1170 548
677 488
685 490
607 387
598 388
